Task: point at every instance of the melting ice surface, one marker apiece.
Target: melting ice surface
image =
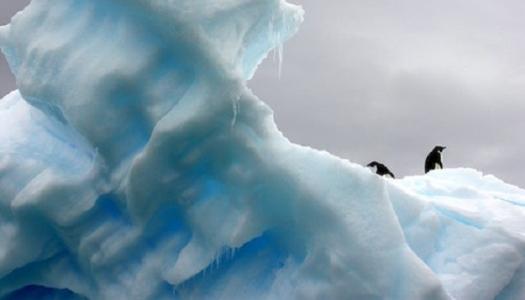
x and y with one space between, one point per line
136 164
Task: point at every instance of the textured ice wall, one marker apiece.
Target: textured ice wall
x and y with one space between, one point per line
136 164
468 228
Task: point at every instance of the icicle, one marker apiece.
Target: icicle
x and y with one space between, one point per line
217 262
271 35
232 253
235 108
274 50
280 50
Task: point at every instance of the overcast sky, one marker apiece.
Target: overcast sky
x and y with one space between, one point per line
7 9
387 80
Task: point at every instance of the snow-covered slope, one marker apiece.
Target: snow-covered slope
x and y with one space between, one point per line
136 164
468 228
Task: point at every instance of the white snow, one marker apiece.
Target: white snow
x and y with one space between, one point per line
136 164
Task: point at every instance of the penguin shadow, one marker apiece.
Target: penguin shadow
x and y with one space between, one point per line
432 162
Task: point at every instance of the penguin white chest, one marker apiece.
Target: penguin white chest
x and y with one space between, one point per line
437 165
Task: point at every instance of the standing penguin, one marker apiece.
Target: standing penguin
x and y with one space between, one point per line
433 160
380 169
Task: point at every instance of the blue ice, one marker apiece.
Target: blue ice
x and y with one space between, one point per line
136 164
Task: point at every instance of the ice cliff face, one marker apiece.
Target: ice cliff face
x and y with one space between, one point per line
136 164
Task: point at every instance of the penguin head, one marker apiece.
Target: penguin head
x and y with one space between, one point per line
373 165
439 149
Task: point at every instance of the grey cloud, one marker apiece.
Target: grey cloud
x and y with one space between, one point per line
7 82
383 80
9 8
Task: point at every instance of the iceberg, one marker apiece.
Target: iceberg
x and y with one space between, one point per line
135 163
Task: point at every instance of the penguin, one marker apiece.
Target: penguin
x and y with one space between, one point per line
380 169
433 160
